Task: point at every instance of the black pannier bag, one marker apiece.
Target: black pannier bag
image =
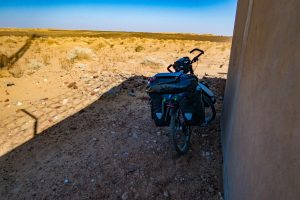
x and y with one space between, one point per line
158 109
171 83
192 108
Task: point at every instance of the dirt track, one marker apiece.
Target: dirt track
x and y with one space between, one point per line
112 150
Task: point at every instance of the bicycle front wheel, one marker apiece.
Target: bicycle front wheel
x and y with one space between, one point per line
181 133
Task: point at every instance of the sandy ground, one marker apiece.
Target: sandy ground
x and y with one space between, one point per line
75 121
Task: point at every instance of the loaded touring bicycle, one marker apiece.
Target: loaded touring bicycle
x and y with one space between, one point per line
179 100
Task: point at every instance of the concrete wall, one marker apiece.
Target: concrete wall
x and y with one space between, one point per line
261 116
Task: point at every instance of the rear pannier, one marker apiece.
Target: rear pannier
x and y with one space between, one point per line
192 108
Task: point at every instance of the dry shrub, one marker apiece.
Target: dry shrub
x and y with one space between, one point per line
46 59
131 39
51 41
139 48
223 48
96 46
81 53
16 71
153 62
9 40
35 65
66 64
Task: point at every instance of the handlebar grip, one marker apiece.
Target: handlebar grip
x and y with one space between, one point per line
196 49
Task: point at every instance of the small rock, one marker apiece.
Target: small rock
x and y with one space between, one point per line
158 133
45 80
124 196
95 76
72 85
56 117
65 101
6 100
134 135
19 103
9 84
131 93
96 90
210 189
166 193
125 153
132 168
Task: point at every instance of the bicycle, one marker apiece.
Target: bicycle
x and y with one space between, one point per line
180 101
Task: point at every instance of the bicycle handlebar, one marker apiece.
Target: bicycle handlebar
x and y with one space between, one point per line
196 49
195 59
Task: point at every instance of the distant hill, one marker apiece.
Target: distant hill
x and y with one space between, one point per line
111 34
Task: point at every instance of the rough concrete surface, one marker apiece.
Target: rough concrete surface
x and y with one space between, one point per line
261 115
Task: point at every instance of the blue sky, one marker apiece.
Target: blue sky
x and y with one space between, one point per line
202 16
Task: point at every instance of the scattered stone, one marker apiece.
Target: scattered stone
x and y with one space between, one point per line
72 85
19 103
166 193
6 100
95 76
210 189
158 133
124 196
131 93
134 135
96 89
125 153
9 84
132 168
65 101
73 128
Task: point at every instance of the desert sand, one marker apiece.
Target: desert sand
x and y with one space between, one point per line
75 119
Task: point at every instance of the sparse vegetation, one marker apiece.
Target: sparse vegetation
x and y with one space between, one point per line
16 71
139 48
81 53
66 64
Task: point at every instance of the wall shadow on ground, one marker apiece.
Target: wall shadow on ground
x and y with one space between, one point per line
111 149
